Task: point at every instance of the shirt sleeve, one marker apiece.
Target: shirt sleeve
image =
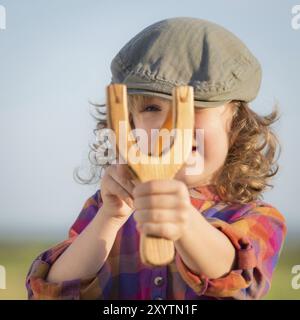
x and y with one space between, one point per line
258 238
40 289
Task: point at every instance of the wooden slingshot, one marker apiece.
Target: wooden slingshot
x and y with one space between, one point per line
154 251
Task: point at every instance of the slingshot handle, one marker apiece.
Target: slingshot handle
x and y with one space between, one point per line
156 251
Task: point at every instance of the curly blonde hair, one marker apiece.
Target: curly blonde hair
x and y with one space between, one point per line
252 158
251 161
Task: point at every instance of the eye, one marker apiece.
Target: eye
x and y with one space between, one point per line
151 108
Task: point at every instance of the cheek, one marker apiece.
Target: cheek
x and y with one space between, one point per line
215 144
148 122
144 126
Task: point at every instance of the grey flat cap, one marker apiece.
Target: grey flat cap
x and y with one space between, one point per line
188 51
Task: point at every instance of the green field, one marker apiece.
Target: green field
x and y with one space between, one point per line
17 257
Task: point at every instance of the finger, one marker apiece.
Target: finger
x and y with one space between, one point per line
128 173
161 201
121 179
139 227
158 216
116 189
161 230
159 187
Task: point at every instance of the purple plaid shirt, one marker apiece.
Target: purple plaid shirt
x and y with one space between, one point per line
256 229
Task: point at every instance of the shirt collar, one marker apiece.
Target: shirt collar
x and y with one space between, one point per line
206 192
203 197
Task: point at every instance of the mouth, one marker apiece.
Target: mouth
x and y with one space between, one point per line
194 149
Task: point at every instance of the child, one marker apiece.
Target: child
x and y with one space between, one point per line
227 241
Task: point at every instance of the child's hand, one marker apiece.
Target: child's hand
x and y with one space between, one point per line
163 208
116 192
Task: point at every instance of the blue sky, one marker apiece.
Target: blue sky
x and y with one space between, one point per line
55 56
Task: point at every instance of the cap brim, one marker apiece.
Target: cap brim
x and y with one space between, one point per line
197 103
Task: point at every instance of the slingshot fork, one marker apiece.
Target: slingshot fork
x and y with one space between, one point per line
154 251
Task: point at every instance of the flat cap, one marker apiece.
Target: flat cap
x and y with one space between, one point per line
188 51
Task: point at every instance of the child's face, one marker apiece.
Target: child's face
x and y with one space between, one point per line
215 123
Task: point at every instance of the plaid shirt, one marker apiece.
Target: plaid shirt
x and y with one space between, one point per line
256 229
